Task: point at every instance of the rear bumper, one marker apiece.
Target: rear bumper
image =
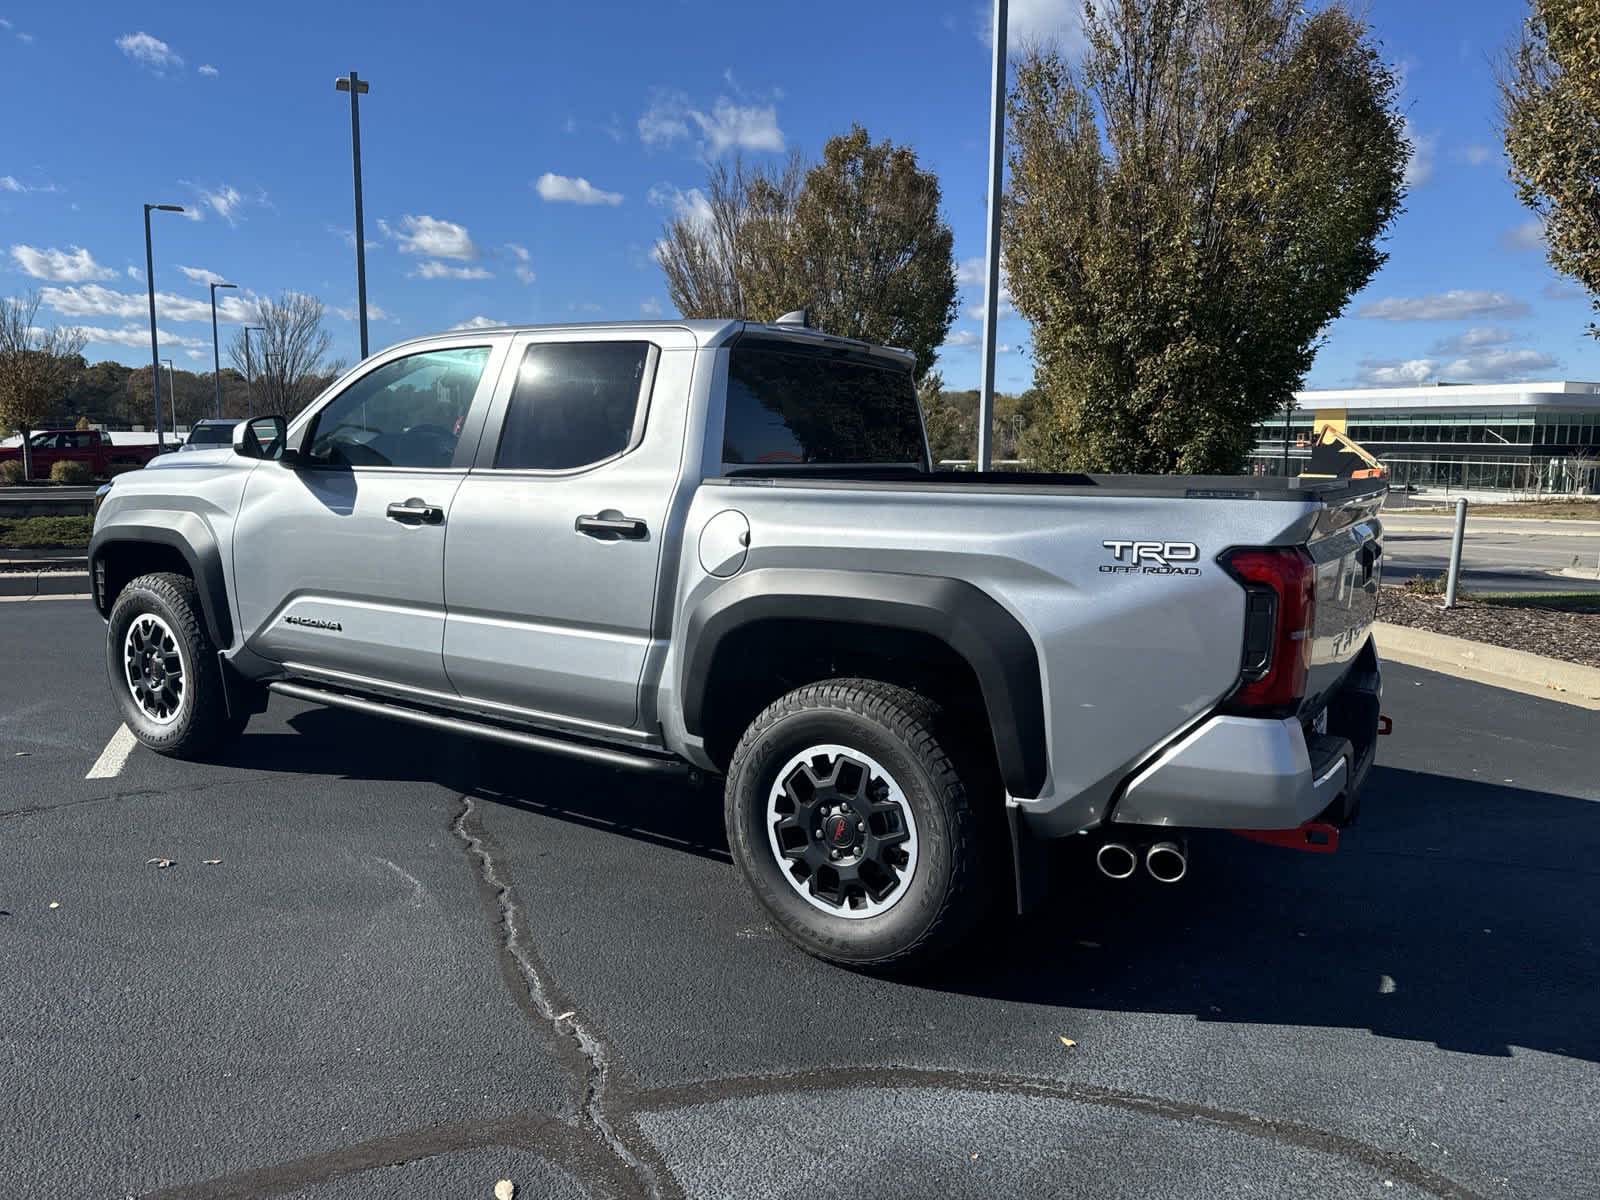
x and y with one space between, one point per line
1249 773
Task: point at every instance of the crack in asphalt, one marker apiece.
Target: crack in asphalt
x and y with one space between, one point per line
516 945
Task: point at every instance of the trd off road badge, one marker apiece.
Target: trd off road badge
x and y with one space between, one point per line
1151 558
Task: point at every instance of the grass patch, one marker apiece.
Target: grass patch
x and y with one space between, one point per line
1566 602
46 532
1540 510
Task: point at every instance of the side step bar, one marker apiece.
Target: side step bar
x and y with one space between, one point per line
628 760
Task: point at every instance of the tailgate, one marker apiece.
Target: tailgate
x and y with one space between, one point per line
1347 548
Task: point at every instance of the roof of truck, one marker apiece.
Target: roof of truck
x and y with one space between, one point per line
708 332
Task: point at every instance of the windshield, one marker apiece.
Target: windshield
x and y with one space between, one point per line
211 435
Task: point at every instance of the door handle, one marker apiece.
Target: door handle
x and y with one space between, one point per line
415 512
610 525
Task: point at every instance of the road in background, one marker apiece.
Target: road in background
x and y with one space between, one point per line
1501 554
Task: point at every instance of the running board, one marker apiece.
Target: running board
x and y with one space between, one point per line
628 760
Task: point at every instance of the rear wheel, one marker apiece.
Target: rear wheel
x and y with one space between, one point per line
164 674
853 826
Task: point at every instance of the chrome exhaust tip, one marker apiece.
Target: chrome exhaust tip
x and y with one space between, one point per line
1167 862
1116 861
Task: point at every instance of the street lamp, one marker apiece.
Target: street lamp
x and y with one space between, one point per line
991 265
150 283
172 399
216 354
249 397
357 86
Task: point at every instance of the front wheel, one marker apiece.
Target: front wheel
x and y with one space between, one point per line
164 674
853 826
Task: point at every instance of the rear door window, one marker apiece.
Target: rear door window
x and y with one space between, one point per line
574 404
790 404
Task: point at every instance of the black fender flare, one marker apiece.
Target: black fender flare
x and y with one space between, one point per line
971 622
189 536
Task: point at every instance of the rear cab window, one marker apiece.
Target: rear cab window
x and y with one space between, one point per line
791 404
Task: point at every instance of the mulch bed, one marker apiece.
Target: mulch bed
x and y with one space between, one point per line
1571 636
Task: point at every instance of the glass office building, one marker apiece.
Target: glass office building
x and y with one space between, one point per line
1537 438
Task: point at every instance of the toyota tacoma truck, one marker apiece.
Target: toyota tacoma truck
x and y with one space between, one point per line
721 547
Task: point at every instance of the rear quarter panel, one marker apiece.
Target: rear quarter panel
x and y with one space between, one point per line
1128 660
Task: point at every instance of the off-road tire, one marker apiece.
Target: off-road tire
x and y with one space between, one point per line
201 722
945 895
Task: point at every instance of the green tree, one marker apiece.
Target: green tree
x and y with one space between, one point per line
1190 205
859 241
36 367
1550 104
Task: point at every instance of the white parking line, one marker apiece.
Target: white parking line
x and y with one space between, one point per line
109 764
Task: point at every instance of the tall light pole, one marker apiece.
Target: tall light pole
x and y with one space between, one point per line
991 254
150 283
357 87
172 399
216 353
249 396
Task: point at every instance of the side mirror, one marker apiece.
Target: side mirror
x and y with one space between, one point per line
261 437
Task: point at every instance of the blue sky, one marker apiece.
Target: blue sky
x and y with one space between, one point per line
520 159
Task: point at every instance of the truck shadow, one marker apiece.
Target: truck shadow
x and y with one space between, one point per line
1458 913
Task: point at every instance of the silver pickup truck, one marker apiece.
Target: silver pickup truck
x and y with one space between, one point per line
721 547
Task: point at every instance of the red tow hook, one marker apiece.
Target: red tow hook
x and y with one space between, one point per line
1314 837
1385 725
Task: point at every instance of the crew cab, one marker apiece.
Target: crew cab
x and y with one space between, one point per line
721 547
91 447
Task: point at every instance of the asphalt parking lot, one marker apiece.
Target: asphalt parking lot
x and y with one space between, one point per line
420 964
1499 554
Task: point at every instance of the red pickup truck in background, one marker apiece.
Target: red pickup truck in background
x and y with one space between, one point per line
93 449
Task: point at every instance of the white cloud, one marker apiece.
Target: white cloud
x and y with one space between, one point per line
1419 167
201 275
208 70
431 237
479 323
728 126
149 51
691 206
433 269
72 265
1007 308
1563 289
1476 155
349 236
93 300
650 307
565 189
374 312
1527 236
1474 339
1444 306
523 268
25 38
137 335
4 24
194 354
136 273
969 271
10 183
224 201
1501 364
960 339
1395 372
666 120
1034 22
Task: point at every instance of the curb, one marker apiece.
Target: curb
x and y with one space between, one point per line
42 583
1496 666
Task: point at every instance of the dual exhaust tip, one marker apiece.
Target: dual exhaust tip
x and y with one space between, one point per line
1166 862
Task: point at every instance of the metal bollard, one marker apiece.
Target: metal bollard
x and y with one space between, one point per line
1455 553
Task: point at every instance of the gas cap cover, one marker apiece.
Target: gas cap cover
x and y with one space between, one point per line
724 542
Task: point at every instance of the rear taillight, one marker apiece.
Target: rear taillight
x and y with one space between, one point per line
1280 609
